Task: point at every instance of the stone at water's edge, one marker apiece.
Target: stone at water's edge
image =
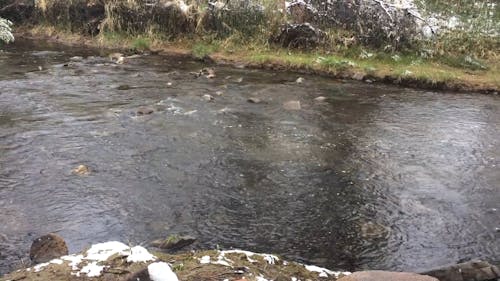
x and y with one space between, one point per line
48 247
468 271
174 243
376 275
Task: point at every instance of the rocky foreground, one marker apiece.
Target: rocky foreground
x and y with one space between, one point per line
114 260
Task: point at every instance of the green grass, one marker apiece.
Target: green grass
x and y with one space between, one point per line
202 50
141 44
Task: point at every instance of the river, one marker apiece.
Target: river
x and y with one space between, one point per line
375 177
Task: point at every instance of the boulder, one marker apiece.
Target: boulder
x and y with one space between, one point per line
474 270
48 247
376 275
301 36
301 12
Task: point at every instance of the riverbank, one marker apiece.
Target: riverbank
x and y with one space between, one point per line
117 261
407 71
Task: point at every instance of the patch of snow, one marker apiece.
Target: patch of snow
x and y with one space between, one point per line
184 8
205 260
271 259
56 261
39 267
74 260
261 278
323 272
140 254
102 251
92 269
161 271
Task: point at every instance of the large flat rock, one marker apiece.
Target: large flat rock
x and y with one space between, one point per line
376 275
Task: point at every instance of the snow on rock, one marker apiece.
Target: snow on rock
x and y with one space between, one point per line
89 262
140 254
323 272
92 269
271 259
161 271
40 266
102 251
74 260
56 261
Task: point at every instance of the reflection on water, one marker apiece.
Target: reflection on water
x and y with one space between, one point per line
376 177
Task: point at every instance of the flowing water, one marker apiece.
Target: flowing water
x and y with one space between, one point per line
374 177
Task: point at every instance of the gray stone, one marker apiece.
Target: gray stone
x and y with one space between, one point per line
144 110
174 243
376 275
254 100
474 270
48 247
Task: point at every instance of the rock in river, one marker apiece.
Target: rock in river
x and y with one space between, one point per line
48 247
174 243
144 110
292 105
254 100
474 270
81 170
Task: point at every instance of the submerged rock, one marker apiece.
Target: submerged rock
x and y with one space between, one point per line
292 105
48 247
376 275
144 110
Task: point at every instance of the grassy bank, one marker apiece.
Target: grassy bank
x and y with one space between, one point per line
458 73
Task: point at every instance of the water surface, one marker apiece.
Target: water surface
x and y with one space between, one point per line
375 177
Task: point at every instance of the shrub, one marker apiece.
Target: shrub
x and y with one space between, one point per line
6 31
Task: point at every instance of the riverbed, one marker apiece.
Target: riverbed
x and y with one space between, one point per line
374 176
